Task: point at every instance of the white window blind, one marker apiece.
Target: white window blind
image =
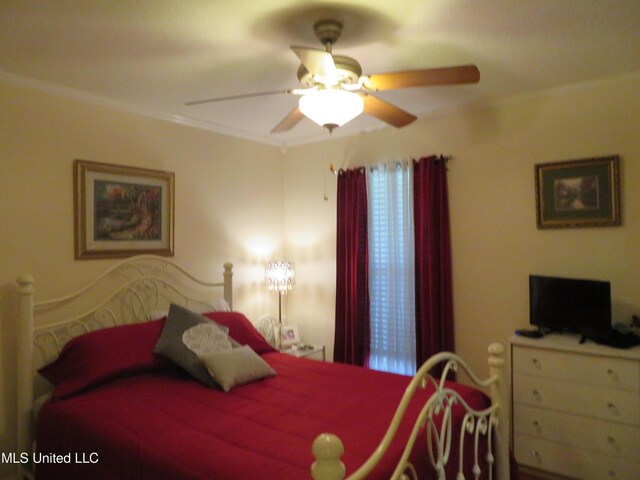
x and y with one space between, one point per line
391 269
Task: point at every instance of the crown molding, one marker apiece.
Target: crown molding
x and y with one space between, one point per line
99 100
102 101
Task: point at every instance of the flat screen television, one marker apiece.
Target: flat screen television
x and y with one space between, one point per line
571 305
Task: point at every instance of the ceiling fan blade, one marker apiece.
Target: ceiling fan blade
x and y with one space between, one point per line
386 112
289 121
423 78
236 97
319 62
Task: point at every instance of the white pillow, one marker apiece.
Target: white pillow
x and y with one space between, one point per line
158 314
219 305
230 368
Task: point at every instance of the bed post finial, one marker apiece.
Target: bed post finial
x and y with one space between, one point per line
500 396
327 449
24 361
228 283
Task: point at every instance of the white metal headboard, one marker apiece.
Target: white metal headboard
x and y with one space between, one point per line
128 292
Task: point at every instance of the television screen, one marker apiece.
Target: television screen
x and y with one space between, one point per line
570 305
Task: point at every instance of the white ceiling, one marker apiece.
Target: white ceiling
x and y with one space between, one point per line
152 56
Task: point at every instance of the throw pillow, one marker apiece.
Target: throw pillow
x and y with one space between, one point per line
237 366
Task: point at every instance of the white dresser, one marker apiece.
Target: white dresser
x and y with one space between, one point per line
576 408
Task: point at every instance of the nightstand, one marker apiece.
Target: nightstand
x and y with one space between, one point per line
299 352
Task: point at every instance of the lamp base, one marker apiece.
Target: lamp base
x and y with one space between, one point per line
280 338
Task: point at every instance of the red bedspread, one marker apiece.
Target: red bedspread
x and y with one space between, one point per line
168 426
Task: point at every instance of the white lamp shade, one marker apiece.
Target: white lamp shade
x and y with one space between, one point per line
331 107
280 276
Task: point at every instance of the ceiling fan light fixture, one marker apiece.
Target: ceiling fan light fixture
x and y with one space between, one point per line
331 107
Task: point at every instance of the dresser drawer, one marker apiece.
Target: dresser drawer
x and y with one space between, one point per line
573 462
585 400
589 369
605 437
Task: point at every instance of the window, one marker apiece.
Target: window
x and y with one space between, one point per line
391 269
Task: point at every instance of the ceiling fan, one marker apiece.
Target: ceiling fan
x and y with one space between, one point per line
334 91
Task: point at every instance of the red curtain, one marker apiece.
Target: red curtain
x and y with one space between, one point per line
352 291
434 299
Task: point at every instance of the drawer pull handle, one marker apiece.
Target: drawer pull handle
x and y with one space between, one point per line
612 373
536 425
537 456
538 396
536 363
613 443
613 409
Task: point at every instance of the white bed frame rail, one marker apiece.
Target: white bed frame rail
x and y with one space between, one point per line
435 421
133 289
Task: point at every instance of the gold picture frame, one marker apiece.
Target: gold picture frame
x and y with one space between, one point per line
578 193
121 211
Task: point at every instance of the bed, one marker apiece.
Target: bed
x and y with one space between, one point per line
120 411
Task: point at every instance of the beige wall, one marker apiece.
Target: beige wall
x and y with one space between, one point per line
228 205
491 186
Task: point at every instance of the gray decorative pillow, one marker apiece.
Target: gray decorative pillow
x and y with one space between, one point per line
238 366
171 346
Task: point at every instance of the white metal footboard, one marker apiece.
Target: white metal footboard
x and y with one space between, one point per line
490 425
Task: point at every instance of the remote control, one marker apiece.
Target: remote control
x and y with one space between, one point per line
529 333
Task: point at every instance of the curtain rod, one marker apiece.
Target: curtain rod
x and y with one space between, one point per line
437 158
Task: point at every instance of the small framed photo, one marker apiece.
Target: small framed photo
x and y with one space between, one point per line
121 211
290 335
578 193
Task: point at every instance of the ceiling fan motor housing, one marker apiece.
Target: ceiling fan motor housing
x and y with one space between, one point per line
348 70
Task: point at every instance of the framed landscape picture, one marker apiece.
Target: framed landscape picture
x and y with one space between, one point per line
122 211
578 193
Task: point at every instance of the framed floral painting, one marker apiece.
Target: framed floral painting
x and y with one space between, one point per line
121 211
578 193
